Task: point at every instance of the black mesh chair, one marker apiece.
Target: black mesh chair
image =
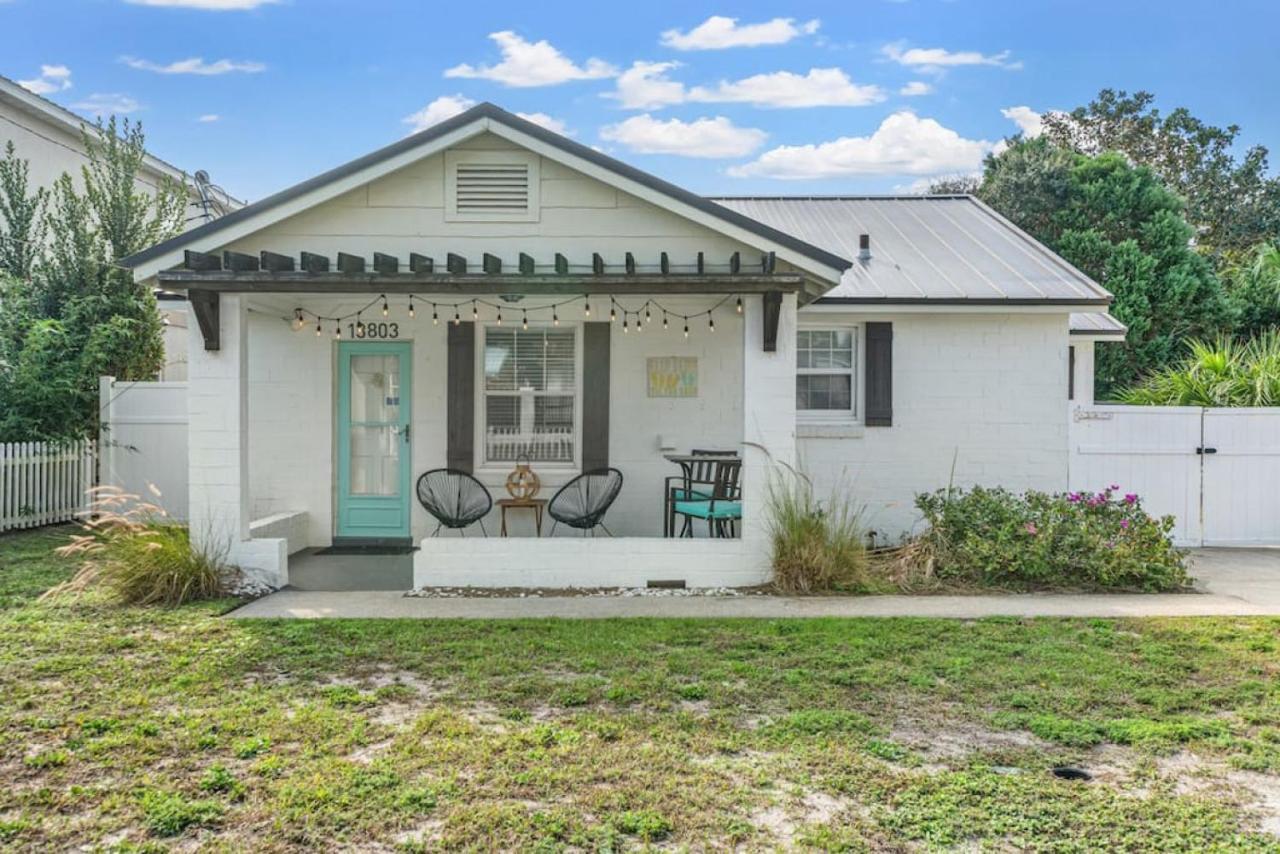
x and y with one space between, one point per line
582 502
454 498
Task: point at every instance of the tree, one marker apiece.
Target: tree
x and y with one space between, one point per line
21 216
81 315
1253 286
1121 226
1231 202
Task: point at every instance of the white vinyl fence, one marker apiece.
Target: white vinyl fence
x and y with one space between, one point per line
144 441
1216 471
42 483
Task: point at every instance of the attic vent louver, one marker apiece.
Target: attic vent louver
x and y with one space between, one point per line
494 186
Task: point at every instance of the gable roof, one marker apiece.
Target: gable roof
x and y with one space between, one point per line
481 117
935 249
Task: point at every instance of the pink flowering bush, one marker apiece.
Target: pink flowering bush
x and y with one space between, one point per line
1102 540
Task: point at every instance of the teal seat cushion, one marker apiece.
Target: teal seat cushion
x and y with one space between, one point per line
708 510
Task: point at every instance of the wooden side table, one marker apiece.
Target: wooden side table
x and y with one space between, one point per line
537 505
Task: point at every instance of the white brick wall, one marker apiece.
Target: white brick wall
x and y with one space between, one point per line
982 392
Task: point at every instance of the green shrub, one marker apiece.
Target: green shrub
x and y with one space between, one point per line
138 556
816 546
1036 540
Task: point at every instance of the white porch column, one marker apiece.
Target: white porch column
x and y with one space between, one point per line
218 449
769 420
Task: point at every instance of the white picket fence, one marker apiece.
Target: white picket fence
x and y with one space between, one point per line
43 483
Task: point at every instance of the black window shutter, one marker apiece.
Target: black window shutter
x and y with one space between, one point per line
461 387
1071 373
878 375
595 395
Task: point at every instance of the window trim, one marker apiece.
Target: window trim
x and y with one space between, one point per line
833 416
453 158
481 465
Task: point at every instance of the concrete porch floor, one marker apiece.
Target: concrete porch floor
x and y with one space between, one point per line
1232 582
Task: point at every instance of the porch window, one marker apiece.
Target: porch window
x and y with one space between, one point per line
530 395
826 371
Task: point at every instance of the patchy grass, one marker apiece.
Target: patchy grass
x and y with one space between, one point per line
127 727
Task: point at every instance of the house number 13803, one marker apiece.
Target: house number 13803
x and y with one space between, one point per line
374 330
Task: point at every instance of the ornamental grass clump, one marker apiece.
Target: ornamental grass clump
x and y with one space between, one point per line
817 546
1078 540
136 555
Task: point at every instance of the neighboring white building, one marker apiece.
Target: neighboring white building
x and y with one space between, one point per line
889 345
50 138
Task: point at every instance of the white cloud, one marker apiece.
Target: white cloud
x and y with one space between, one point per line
904 144
719 32
106 103
646 86
444 107
549 122
207 5
916 87
1029 122
707 137
935 59
209 118
532 64
53 78
821 87
195 65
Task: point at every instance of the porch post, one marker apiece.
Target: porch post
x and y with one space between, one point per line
218 450
769 419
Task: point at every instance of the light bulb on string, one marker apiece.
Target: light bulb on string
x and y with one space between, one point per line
524 320
411 306
386 309
359 327
457 318
686 327
337 328
435 317
586 308
555 317
318 330
648 318
739 305
664 320
624 323
711 322
475 311
613 311
499 317
298 320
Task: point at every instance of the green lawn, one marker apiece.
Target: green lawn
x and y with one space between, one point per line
131 729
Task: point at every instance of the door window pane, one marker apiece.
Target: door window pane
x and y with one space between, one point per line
375 389
375 460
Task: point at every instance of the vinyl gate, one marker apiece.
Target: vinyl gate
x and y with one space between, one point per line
43 483
1216 471
144 441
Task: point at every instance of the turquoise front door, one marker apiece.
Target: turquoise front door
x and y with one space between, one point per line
374 408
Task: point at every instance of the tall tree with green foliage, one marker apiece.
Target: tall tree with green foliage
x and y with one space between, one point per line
81 316
1232 202
1253 286
1120 225
21 216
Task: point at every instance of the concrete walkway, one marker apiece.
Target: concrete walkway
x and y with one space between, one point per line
1234 582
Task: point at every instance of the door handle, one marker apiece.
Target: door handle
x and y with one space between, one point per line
1203 450
406 432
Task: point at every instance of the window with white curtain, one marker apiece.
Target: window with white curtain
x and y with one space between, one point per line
826 373
530 395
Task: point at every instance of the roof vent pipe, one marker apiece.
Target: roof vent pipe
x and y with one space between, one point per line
864 247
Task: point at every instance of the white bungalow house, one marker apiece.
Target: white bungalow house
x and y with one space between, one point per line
487 290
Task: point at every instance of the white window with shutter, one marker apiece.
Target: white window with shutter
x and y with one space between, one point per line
529 401
827 373
491 186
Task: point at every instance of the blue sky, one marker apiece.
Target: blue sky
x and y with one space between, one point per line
729 98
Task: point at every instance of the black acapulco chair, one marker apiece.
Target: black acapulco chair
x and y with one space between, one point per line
455 499
582 502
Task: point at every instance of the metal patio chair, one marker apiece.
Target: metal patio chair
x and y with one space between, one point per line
723 510
455 499
695 484
582 502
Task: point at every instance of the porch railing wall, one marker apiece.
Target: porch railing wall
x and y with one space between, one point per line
44 483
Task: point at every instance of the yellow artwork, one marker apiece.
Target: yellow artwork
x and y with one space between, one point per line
673 376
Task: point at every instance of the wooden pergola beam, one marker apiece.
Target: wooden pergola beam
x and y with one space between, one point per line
478 284
204 305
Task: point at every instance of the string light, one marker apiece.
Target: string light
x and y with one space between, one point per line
410 306
711 322
524 320
386 309
664 320
435 318
555 317
457 318
475 311
647 317
318 330
337 328
499 317
586 307
739 305
624 324
686 327
359 327
613 313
